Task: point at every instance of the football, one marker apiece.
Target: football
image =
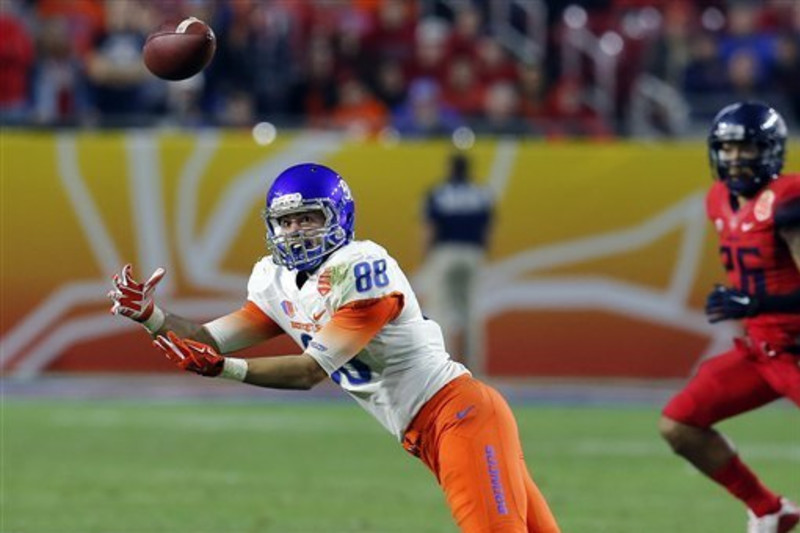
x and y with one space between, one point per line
179 51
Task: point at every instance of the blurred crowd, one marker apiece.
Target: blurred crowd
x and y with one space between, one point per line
414 67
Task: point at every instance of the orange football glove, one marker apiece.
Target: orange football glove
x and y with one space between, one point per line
131 298
190 355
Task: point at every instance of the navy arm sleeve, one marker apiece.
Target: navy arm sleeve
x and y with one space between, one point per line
788 214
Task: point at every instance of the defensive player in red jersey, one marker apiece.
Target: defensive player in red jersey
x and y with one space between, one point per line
756 212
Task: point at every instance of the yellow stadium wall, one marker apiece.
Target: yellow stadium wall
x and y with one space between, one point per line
599 265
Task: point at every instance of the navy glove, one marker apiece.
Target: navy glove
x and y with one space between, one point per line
725 303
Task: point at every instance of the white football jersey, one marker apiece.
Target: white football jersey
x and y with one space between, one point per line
403 365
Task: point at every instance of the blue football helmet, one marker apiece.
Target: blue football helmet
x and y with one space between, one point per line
748 123
299 189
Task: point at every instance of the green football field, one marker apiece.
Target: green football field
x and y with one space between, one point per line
159 466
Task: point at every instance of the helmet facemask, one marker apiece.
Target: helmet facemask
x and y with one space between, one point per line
304 249
746 174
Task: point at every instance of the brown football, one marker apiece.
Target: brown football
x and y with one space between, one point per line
179 51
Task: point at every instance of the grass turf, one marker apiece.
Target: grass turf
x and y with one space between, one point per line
115 466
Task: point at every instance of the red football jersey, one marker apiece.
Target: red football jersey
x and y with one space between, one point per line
755 256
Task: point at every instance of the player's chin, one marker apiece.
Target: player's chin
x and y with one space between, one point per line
741 177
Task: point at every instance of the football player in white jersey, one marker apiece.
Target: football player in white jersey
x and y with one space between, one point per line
350 307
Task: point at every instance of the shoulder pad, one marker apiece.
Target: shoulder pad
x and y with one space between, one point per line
786 187
263 272
356 251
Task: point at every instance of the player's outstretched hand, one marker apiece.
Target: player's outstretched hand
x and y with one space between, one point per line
725 303
131 298
190 355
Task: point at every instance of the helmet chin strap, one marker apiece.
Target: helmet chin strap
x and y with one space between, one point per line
748 188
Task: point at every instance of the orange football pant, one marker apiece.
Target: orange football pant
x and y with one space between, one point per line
467 435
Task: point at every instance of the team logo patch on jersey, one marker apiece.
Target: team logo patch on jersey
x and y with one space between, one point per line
330 277
324 283
763 208
288 308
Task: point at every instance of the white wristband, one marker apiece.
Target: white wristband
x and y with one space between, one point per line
234 368
155 321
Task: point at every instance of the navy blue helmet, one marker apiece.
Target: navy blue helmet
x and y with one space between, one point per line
302 188
748 123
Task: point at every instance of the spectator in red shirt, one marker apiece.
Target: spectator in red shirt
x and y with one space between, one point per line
462 89
467 27
392 37
493 62
568 115
532 89
16 60
430 52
